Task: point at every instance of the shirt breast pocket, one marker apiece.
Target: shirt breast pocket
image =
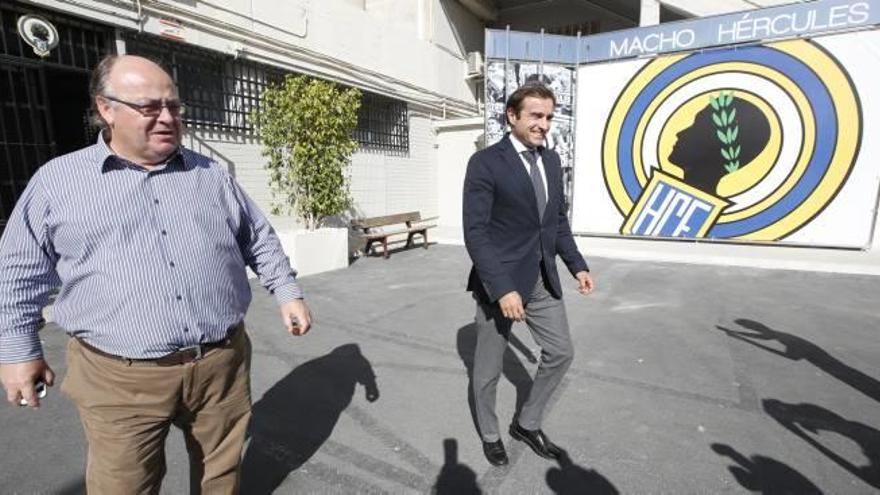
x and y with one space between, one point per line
214 226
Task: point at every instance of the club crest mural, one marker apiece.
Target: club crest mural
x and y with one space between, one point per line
768 142
755 127
745 143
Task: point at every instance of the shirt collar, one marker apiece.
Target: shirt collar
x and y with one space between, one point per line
520 147
103 153
109 161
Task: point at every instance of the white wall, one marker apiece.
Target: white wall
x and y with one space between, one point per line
241 156
380 41
376 45
457 140
702 8
455 28
383 184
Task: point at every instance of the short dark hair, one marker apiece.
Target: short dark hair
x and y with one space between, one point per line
98 87
534 89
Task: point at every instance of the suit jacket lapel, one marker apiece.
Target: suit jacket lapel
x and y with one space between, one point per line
519 174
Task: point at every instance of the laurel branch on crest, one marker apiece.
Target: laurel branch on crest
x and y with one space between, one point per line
726 129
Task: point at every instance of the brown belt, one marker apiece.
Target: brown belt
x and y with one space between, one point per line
180 356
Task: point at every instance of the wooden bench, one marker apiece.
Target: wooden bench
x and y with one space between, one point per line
378 229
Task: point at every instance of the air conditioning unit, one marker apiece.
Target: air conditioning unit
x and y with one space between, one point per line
474 64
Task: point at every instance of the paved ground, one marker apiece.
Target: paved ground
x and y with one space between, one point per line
687 379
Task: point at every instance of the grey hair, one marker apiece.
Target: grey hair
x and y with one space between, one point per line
98 86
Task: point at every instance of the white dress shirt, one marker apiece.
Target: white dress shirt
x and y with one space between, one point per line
520 147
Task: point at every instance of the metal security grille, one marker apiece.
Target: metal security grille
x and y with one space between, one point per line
383 124
219 91
26 140
81 45
43 101
246 82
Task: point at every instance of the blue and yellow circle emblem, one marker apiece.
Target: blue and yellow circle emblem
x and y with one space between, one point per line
772 132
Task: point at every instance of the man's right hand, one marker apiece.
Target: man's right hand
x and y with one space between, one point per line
19 379
512 306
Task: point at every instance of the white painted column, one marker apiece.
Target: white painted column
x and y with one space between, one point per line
649 14
425 19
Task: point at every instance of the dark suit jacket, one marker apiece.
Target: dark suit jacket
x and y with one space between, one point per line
502 231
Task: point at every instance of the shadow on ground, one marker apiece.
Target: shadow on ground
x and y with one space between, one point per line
797 348
808 421
75 487
297 415
455 478
571 479
761 474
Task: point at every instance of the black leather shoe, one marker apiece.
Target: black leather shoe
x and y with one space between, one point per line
495 453
537 440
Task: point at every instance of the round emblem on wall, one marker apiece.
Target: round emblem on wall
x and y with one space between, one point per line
762 137
39 33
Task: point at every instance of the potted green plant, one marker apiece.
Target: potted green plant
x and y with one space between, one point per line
305 126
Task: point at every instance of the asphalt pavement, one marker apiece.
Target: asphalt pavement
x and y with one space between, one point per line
687 379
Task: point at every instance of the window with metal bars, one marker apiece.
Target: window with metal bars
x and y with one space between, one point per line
383 124
219 91
43 101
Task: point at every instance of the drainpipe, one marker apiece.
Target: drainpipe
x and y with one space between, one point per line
140 20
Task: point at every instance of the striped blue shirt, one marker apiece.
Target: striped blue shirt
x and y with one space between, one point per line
147 261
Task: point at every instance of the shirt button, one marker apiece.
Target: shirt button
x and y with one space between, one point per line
164 233
186 329
156 201
178 297
172 264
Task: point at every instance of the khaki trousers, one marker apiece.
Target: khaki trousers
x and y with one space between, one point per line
128 407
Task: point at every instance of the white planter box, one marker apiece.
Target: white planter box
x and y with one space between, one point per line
318 251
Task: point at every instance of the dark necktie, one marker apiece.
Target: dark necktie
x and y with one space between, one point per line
531 156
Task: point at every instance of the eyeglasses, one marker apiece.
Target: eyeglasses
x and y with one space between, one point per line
153 108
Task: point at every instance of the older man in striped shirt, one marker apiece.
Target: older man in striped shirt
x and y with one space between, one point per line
148 244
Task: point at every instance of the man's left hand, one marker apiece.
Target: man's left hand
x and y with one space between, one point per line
585 283
296 316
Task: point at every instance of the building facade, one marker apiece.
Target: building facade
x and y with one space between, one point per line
403 55
417 62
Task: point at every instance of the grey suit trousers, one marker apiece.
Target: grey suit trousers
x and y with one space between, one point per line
547 321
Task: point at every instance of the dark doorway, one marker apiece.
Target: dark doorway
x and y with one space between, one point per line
43 101
43 114
25 131
68 93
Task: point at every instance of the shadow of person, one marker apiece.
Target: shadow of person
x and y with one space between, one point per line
703 156
513 369
762 474
570 479
297 415
806 419
797 348
455 478
74 487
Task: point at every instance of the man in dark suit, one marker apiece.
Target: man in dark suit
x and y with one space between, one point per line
514 226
